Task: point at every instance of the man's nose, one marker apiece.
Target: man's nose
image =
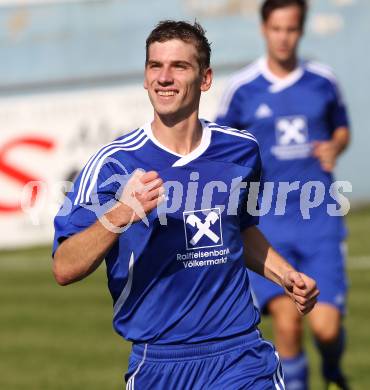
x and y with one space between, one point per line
284 35
165 76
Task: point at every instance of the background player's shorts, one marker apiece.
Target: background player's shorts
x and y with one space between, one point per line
242 362
323 260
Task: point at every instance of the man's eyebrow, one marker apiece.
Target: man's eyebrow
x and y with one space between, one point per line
176 62
151 62
181 62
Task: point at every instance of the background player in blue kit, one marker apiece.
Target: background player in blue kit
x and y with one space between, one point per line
295 110
176 264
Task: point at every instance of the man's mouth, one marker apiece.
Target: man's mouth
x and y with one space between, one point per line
166 93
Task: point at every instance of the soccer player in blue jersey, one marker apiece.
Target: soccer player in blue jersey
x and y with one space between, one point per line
295 110
163 205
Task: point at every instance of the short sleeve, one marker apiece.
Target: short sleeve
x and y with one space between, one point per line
338 116
229 110
89 198
249 205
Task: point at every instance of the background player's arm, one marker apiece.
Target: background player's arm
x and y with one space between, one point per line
82 253
327 152
260 257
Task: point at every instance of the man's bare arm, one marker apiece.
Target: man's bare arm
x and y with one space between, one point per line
82 253
260 257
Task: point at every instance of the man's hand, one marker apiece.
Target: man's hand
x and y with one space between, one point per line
326 152
142 193
301 289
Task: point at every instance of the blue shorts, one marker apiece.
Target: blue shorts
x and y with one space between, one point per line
322 260
241 362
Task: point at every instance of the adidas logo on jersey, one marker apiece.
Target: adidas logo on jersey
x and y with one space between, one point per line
263 111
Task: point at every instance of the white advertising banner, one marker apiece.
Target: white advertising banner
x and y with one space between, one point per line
47 138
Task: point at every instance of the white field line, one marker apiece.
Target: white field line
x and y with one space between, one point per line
25 263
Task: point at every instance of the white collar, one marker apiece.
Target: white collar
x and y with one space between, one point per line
183 160
280 83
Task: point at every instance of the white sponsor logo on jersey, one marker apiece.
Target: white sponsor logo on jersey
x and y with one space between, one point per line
202 228
291 130
291 138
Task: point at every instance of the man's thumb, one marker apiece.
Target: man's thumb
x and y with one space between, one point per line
297 280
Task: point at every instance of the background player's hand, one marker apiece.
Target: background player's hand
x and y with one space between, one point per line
141 194
326 152
301 289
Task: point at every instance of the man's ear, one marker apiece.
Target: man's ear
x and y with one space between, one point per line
206 80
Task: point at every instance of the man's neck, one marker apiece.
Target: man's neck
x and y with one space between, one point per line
182 137
281 69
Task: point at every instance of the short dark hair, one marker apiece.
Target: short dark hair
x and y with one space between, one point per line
166 30
269 6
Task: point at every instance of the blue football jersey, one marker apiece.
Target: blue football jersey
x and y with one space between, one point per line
179 276
287 116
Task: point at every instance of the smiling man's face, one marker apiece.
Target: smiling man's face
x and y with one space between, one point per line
174 79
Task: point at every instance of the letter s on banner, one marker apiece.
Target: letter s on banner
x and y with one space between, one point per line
16 174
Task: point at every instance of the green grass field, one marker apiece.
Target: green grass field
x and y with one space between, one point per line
58 338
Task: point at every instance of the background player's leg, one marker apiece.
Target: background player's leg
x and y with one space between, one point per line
325 262
288 332
326 324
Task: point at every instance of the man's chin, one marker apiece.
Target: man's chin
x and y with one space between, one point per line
284 58
165 111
